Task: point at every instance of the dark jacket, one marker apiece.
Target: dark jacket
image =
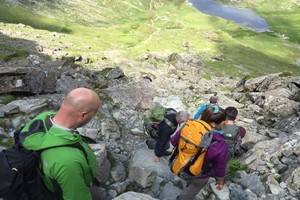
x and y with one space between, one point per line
165 132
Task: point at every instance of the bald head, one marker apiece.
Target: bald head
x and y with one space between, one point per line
182 116
82 99
77 108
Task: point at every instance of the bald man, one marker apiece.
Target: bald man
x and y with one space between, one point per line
77 108
68 164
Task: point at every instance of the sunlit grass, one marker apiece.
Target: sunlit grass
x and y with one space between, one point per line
130 30
13 14
283 16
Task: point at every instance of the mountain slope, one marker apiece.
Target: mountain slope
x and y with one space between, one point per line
109 30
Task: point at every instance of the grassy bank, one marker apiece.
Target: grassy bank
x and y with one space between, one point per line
283 16
133 28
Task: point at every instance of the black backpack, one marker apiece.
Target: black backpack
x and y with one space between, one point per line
20 176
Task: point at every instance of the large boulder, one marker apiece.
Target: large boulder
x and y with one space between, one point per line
27 80
134 196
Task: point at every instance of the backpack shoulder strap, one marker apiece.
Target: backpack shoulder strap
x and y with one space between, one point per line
38 125
169 123
169 111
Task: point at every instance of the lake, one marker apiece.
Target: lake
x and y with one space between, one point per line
243 17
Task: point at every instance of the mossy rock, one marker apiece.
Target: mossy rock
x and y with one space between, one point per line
6 142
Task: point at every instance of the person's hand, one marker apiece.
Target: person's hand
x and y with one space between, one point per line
219 186
156 159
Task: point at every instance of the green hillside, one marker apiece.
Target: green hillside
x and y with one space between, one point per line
133 28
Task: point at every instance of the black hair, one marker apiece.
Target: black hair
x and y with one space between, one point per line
231 112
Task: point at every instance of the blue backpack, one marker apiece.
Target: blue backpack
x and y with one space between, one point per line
201 109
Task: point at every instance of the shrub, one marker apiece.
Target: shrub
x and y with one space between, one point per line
233 166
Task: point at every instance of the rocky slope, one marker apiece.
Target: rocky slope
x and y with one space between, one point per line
269 108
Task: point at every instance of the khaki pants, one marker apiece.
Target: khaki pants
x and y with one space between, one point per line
192 189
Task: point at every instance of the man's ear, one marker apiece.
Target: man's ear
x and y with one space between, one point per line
82 114
237 118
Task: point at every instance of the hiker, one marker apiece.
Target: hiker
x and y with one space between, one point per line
69 170
215 160
213 100
165 129
233 134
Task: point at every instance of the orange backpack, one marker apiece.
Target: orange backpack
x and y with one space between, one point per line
187 159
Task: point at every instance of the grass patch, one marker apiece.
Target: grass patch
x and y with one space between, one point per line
16 55
2 122
242 60
14 14
111 159
226 89
6 142
207 76
233 166
5 99
133 186
8 53
282 16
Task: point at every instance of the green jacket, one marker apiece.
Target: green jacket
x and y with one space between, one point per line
68 166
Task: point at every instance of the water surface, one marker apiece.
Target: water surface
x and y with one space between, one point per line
243 17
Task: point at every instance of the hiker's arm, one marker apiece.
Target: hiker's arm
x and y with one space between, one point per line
156 159
71 180
220 161
198 113
219 183
219 166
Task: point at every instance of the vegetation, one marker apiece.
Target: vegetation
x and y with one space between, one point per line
133 186
283 16
2 122
111 159
5 99
110 30
6 142
233 166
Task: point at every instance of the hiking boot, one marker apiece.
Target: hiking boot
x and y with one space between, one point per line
151 144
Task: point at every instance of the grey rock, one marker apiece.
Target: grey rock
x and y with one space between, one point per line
134 196
293 182
30 105
251 181
169 192
115 73
27 79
